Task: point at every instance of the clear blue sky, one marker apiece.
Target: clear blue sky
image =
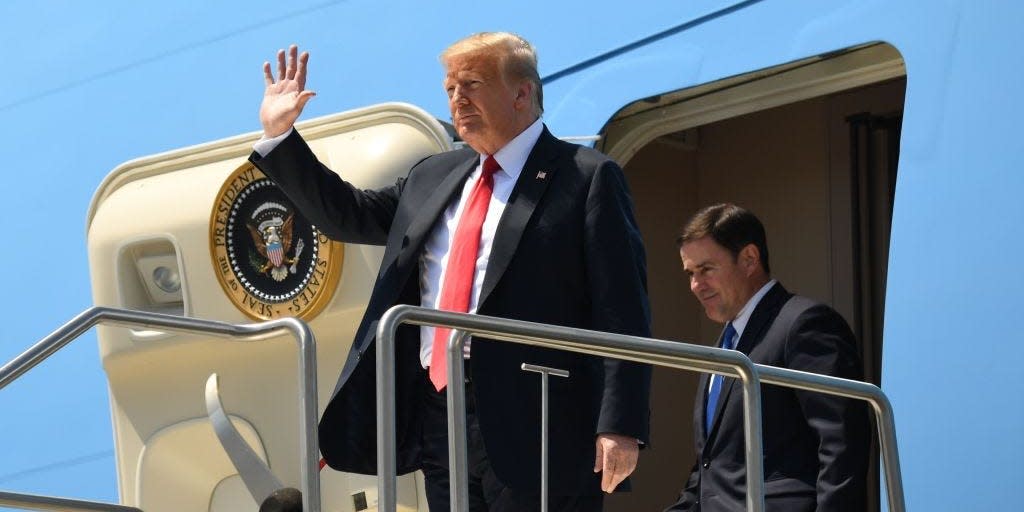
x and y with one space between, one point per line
91 85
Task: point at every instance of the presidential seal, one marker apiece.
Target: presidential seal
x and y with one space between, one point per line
268 258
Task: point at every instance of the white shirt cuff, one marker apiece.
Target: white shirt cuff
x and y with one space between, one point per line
265 145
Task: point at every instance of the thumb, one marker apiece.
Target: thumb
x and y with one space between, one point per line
599 457
304 97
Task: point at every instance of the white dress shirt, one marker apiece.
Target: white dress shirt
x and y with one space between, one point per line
267 144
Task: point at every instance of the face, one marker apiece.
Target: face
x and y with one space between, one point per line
486 110
722 283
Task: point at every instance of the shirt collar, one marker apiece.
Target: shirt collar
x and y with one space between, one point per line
740 322
512 157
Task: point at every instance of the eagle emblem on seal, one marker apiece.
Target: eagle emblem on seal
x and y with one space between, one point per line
269 259
271 227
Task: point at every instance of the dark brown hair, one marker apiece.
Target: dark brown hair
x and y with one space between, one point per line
731 226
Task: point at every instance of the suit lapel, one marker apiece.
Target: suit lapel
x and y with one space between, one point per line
524 199
760 320
432 209
700 408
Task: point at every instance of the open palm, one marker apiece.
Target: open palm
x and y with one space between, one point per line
284 99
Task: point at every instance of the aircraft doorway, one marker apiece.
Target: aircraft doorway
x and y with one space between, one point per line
818 167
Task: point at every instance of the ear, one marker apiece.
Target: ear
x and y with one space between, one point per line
524 92
750 259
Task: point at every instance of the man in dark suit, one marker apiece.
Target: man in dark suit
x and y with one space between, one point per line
815 445
553 240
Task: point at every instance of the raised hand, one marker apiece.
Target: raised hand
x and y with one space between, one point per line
284 99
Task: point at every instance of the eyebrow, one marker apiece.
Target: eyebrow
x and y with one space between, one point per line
699 266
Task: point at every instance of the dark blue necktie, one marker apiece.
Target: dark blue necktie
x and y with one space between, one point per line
728 343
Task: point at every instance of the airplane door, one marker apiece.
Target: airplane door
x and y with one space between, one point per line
180 233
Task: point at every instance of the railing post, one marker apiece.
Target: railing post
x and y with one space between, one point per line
886 425
544 372
458 477
387 467
308 418
752 432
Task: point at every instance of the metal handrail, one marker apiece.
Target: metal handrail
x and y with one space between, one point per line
674 354
36 502
870 393
242 332
632 348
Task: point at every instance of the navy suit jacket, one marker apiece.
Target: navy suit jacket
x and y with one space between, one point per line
816 446
567 251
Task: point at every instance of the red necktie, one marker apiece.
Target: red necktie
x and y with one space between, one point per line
458 276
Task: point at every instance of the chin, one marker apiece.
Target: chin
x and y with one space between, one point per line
716 317
470 137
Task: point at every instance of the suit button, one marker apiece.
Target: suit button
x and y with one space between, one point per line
707 464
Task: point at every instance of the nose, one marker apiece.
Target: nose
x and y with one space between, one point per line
696 284
458 97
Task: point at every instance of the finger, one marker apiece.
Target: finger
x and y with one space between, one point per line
304 97
268 79
293 55
620 462
280 65
599 456
608 465
608 477
300 73
616 479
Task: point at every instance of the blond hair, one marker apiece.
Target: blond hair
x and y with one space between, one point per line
517 58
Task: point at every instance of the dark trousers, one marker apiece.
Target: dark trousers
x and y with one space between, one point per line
486 492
